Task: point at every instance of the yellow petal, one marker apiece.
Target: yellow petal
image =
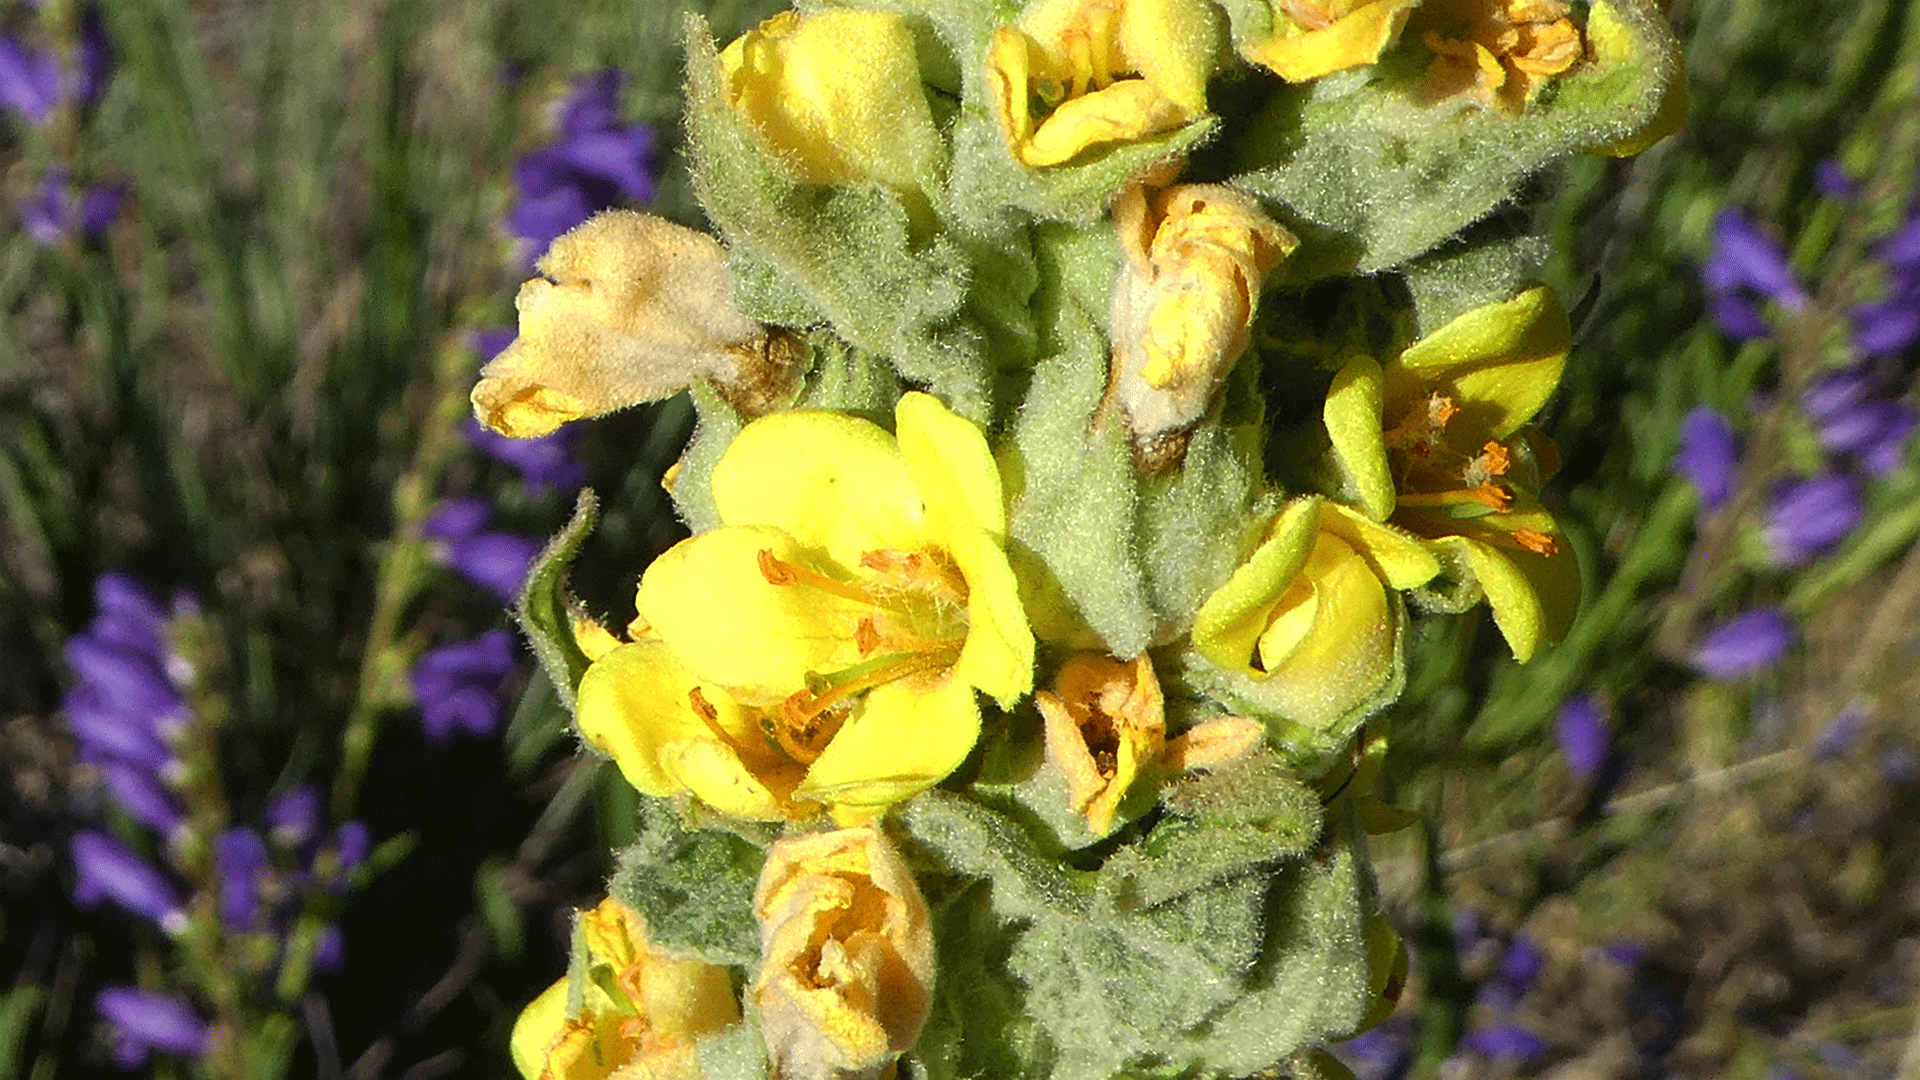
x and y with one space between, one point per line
836 95
707 598
833 482
1503 359
536 1029
634 700
907 736
1354 421
1126 111
998 654
1298 53
951 465
632 308
714 773
1534 596
1399 559
1229 624
1173 44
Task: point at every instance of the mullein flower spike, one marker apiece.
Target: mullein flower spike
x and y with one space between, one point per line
981 358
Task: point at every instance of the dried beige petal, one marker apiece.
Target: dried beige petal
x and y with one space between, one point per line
1105 722
846 969
1213 743
632 308
1183 305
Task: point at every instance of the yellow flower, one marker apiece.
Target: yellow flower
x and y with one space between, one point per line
836 95
1078 74
1308 622
1312 38
1436 442
630 308
1106 731
825 643
642 1009
846 969
1184 302
1499 53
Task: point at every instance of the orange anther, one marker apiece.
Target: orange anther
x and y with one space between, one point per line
701 706
1535 541
1496 496
775 571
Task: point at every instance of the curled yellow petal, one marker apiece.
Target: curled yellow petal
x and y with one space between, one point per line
846 972
1496 53
632 308
1312 38
1076 75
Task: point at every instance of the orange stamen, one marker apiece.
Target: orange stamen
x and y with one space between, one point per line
1494 495
778 571
1495 459
710 716
1535 541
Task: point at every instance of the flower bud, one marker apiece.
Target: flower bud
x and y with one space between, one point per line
846 975
632 308
836 97
1105 722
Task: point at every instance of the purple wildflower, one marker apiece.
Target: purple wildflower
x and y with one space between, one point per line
1748 643
545 464
293 819
51 215
458 685
95 55
495 561
139 792
29 80
1709 455
240 859
330 951
1809 517
1842 732
1510 1041
1747 260
145 1021
1831 178
1885 327
597 164
1902 249
1582 731
352 842
106 869
1380 1053
1522 963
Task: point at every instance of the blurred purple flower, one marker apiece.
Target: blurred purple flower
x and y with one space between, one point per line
29 80
495 561
1749 642
545 464
458 685
1833 395
145 1021
139 792
1831 178
95 55
1902 248
1747 260
1380 1053
51 215
107 733
597 164
1581 729
1808 517
1708 456
1510 1041
1737 317
330 951
1885 327
1842 732
106 869
1522 963
293 819
240 860
492 341
352 842
127 615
